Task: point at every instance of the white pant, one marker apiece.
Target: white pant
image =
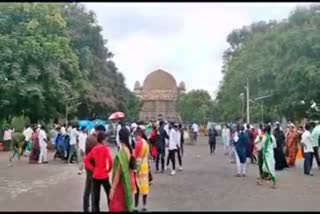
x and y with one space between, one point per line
232 153
226 148
43 153
81 155
241 167
226 144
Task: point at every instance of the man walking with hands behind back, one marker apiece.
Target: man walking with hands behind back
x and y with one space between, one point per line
91 142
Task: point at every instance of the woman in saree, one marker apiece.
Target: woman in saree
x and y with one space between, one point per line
142 169
268 145
35 152
292 146
123 183
299 133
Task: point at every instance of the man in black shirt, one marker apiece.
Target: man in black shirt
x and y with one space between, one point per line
163 135
181 138
212 139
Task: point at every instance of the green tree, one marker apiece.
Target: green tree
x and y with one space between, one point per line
194 106
279 58
38 69
53 52
105 90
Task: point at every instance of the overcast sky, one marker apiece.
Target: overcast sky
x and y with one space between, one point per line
185 39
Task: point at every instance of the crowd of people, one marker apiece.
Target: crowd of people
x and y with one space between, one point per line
138 146
160 142
269 146
32 142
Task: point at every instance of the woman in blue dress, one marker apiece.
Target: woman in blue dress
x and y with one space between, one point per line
241 141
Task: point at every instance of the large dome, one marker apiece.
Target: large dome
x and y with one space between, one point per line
159 79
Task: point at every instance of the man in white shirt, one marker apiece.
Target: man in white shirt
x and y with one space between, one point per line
27 132
92 131
226 139
7 137
132 130
172 148
73 143
195 130
306 141
82 148
167 129
69 129
120 125
178 142
43 157
63 130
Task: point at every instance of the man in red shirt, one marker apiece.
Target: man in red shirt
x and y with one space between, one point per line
102 157
91 142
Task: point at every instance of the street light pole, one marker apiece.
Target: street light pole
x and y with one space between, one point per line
262 111
262 104
248 103
66 114
242 105
67 100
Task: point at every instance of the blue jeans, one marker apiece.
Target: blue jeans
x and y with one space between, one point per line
308 156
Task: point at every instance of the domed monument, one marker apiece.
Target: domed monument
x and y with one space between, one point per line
159 94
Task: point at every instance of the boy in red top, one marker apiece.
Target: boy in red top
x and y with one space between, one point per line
102 157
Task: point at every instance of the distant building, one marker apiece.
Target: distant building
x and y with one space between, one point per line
159 94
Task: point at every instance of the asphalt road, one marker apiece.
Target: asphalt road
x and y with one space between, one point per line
206 184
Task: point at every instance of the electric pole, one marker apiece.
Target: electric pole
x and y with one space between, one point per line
248 103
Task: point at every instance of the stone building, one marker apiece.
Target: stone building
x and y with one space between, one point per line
159 94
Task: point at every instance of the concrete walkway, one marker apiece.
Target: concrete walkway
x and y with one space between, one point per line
206 184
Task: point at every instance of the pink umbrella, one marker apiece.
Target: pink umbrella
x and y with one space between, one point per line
117 115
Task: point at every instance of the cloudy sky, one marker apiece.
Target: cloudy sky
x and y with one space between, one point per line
185 39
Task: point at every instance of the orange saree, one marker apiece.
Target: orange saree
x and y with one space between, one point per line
292 148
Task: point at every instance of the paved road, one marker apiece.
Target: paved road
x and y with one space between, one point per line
207 183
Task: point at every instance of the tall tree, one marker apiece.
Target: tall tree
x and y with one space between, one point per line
38 69
51 53
280 58
106 90
194 106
